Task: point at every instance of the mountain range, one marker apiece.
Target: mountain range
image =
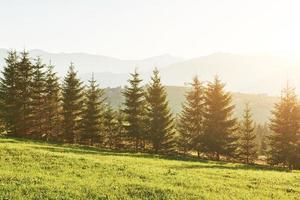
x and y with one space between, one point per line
257 73
260 75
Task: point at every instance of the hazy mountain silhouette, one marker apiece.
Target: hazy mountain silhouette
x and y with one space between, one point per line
88 63
243 73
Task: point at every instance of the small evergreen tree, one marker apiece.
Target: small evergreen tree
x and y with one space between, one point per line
38 99
285 125
10 112
247 146
53 107
93 111
134 111
120 129
297 157
191 119
110 128
161 127
219 126
72 94
262 132
263 145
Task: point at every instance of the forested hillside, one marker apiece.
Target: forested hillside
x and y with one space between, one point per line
261 104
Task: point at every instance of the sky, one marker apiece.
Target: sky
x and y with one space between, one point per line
135 29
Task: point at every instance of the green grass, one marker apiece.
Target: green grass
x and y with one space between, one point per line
32 170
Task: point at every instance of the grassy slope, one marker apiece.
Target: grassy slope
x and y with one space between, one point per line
31 170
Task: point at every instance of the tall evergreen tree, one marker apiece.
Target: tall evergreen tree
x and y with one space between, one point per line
10 112
134 111
25 72
93 111
72 94
161 122
220 126
285 125
247 146
53 107
38 99
191 118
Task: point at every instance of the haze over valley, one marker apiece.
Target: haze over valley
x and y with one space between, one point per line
243 73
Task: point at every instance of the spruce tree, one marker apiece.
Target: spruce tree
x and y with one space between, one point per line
25 72
191 118
263 145
93 111
72 93
53 106
262 132
247 145
120 129
297 157
10 112
220 126
110 128
161 125
285 125
38 99
134 111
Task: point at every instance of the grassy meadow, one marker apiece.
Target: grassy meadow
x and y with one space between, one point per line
33 170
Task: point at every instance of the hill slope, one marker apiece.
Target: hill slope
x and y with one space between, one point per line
261 104
31 170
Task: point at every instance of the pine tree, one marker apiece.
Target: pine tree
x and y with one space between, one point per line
285 125
297 158
25 72
191 119
53 107
110 128
219 126
72 94
38 100
263 145
120 129
92 115
262 132
247 145
10 112
161 127
134 111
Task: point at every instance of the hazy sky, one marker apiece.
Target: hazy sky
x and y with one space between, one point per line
140 28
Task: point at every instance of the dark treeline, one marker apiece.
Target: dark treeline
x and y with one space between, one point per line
36 104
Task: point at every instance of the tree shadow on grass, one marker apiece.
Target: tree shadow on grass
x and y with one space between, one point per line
231 166
108 152
79 149
4 139
212 164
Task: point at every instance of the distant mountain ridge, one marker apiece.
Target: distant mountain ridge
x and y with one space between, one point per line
88 63
259 73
